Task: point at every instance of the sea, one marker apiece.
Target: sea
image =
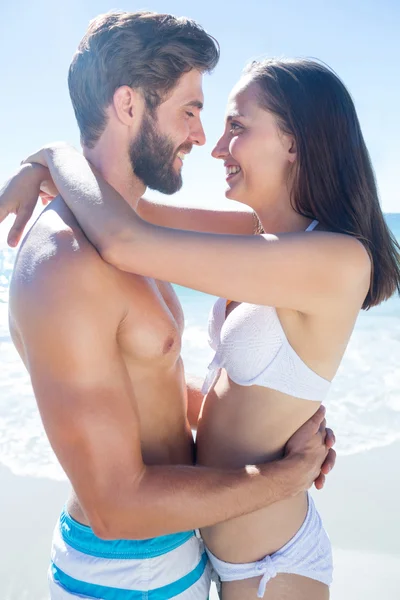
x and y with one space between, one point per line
363 405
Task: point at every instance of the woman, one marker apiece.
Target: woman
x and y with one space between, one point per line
294 152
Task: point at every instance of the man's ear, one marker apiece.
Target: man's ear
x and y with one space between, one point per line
127 103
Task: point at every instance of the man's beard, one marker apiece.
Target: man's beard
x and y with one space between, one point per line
152 158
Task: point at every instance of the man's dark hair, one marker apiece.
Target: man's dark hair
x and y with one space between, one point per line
144 50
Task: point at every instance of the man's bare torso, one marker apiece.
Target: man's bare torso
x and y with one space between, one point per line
144 316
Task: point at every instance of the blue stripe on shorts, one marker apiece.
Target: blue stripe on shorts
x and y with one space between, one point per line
110 593
84 565
82 538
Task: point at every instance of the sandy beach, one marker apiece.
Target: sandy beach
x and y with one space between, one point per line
359 507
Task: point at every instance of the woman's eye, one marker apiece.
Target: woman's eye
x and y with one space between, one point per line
234 127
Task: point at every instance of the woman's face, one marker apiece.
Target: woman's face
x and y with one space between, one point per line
257 155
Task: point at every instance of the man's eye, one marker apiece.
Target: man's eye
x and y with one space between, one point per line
189 114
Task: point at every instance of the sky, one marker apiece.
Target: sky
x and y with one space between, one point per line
359 39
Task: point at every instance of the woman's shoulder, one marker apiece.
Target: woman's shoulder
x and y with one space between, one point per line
343 245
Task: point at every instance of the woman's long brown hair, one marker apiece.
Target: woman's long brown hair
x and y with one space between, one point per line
334 181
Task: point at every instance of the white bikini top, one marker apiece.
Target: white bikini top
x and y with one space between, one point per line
251 345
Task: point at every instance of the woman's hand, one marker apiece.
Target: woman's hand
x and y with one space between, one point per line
19 196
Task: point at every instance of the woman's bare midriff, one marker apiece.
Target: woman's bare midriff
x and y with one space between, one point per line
241 426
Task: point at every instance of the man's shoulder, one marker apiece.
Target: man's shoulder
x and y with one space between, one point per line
56 261
56 248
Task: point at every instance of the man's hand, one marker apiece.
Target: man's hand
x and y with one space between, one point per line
19 196
311 450
329 461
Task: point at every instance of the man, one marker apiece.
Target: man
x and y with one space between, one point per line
103 346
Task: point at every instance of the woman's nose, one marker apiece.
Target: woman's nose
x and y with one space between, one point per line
221 148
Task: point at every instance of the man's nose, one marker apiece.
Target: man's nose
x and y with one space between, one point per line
198 136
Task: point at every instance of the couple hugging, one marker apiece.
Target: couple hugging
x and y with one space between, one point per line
98 325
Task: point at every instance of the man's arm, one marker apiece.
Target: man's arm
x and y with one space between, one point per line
19 195
67 323
239 222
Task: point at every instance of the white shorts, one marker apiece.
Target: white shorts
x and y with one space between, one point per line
308 553
87 567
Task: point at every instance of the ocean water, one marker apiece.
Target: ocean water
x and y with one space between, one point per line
363 404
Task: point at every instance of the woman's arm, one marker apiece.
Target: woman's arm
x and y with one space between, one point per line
302 271
19 195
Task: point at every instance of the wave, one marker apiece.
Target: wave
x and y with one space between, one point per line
363 404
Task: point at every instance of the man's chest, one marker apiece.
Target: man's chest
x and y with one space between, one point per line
153 324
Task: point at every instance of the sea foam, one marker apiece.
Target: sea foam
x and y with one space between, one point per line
363 404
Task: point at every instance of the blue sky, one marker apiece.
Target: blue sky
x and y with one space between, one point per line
359 39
